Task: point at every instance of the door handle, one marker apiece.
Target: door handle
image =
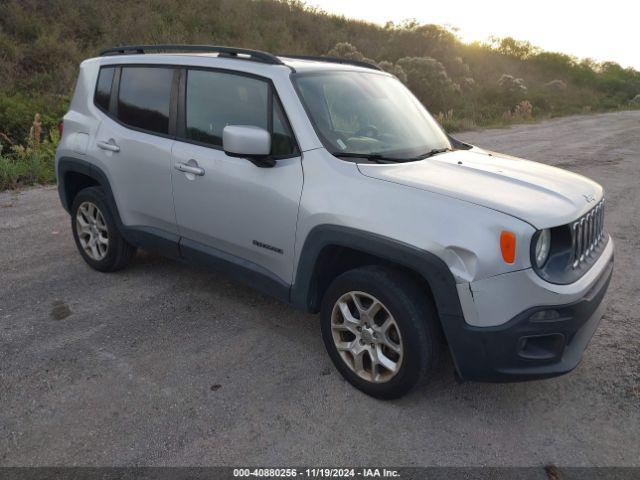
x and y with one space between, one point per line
192 168
110 145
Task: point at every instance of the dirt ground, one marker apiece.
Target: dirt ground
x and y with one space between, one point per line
167 364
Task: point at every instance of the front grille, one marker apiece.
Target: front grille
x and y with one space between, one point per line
587 233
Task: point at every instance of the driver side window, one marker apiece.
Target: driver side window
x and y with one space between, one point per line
217 99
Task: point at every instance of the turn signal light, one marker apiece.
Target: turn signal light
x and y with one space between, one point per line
508 246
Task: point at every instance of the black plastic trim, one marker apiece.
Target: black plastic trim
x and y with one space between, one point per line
115 91
426 264
493 354
226 52
235 267
69 164
173 102
458 144
153 239
181 114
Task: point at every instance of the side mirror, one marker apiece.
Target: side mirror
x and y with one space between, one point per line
246 141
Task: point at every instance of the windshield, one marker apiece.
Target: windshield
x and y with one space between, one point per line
369 114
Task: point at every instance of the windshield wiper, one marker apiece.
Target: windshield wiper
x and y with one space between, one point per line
431 153
374 157
380 158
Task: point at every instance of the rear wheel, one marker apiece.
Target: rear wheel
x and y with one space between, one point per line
381 330
96 234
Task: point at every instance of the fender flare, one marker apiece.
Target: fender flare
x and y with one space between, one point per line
75 165
428 265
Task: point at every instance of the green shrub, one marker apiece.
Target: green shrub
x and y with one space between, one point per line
18 109
429 81
23 165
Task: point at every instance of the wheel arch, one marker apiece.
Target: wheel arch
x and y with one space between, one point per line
74 175
330 250
70 170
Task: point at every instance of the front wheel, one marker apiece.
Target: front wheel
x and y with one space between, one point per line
381 330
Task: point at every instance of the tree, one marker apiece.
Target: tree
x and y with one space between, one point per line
514 48
394 69
349 52
428 80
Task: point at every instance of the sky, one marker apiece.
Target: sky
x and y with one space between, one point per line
602 30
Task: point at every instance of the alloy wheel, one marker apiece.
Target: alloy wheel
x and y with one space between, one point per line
92 231
367 336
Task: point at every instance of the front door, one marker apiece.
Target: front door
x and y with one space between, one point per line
226 206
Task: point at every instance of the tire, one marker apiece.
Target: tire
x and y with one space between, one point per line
416 331
91 219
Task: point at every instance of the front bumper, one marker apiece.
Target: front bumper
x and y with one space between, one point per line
534 343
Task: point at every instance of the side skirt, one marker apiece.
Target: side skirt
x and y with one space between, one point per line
234 267
177 248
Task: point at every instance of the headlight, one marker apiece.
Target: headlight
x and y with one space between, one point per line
543 245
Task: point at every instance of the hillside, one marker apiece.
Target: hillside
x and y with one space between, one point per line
42 43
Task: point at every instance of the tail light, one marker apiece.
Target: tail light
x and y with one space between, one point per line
61 128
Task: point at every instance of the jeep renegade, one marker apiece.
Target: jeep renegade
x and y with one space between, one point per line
326 183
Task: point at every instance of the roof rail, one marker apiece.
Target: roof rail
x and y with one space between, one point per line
345 61
229 52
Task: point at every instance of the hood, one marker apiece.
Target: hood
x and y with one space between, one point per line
539 194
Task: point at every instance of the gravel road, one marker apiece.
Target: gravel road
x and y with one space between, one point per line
167 364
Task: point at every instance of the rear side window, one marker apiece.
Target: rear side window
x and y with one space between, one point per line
103 88
144 98
216 99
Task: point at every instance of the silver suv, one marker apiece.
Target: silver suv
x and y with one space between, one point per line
326 183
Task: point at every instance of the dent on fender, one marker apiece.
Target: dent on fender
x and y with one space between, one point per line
463 263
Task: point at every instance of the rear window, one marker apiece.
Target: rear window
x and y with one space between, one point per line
144 98
103 88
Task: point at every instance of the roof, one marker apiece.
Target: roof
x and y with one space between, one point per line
321 63
294 62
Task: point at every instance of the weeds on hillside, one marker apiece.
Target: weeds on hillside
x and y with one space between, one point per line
29 164
452 123
482 84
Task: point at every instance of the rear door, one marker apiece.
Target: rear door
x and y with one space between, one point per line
134 144
235 209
